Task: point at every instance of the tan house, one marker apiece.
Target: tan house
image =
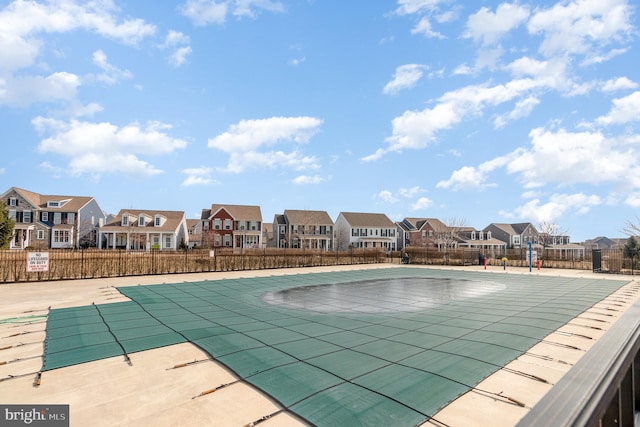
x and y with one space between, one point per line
52 221
232 226
303 229
134 229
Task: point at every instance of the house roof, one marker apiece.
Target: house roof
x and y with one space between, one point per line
238 212
173 219
306 217
39 201
192 223
358 219
513 229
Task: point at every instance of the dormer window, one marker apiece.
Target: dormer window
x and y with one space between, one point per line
141 221
473 235
157 222
56 203
488 235
125 220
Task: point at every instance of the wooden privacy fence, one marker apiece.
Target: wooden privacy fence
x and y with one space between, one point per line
64 264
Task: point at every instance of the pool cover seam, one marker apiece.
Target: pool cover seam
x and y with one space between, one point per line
388 362
289 407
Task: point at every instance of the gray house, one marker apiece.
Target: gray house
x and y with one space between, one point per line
514 236
52 221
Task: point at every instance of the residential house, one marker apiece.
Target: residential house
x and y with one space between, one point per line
365 230
52 221
602 242
469 237
194 230
425 232
303 229
134 229
232 226
514 236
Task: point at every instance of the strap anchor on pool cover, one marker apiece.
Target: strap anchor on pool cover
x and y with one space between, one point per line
265 418
213 390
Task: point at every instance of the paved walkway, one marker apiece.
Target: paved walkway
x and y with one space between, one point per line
154 390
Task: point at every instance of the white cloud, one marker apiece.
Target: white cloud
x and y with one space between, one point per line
407 7
574 157
205 12
308 179
417 129
621 83
179 56
23 24
557 205
624 110
523 108
405 77
472 178
103 148
111 74
245 143
248 7
179 44
581 26
198 176
424 27
386 196
411 192
22 91
487 28
421 204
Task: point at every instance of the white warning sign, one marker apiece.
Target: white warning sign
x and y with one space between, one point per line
37 261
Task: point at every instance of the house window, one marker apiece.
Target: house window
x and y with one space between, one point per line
254 225
141 221
12 214
125 220
488 235
45 216
473 235
157 221
13 201
227 224
61 236
26 216
51 204
167 242
71 218
516 240
57 218
227 240
216 224
40 235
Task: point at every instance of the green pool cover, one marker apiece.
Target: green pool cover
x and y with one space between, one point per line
368 347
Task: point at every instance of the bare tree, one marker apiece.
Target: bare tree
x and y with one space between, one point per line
632 229
549 234
448 237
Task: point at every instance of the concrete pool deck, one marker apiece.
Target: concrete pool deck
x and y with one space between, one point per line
152 392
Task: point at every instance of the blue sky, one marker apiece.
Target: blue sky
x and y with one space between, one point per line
468 111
